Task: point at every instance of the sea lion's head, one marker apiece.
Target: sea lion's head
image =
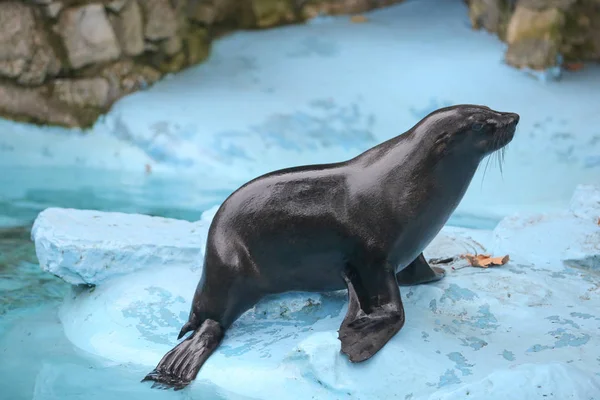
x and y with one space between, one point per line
470 130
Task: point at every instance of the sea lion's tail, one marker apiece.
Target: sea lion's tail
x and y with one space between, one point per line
181 365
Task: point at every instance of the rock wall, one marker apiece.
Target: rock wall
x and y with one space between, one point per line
64 62
542 33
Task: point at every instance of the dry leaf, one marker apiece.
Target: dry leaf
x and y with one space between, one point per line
598 221
485 260
358 19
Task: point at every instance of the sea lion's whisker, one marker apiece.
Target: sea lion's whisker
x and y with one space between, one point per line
485 169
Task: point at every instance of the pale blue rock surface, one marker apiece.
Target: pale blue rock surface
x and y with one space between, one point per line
87 247
555 241
526 330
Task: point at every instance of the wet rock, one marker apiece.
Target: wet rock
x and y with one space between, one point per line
129 28
542 31
350 6
197 45
117 5
161 21
12 68
43 64
17 29
202 12
311 9
87 35
581 36
537 54
33 105
125 77
141 77
540 5
491 15
53 9
528 23
534 38
115 74
269 13
85 92
172 64
172 45
225 9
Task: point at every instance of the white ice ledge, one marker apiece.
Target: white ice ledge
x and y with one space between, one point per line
88 247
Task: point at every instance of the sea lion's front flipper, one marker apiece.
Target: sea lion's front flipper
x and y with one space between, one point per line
375 314
419 271
181 365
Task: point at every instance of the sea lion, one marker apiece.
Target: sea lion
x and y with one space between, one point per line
361 224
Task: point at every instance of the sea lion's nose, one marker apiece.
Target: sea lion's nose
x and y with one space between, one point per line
512 118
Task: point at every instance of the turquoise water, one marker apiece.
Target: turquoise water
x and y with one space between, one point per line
43 364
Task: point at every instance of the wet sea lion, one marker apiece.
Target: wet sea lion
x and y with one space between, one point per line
361 224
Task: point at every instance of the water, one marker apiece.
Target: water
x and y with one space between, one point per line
204 132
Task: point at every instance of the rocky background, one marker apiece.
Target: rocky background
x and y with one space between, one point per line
66 62
542 33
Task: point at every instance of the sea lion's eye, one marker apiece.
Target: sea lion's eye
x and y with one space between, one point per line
477 126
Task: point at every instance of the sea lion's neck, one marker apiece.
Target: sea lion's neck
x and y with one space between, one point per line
408 163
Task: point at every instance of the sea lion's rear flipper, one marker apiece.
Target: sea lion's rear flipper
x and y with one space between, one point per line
375 314
418 272
181 365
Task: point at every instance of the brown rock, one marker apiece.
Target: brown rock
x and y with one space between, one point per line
125 77
87 35
150 47
490 15
537 54
197 46
114 74
53 9
272 12
540 5
173 64
33 105
85 92
141 77
129 28
581 37
226 9
527 23
12 68
172 45
43 64
350 6
202 12
161 21
116 5
17 28
534 38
